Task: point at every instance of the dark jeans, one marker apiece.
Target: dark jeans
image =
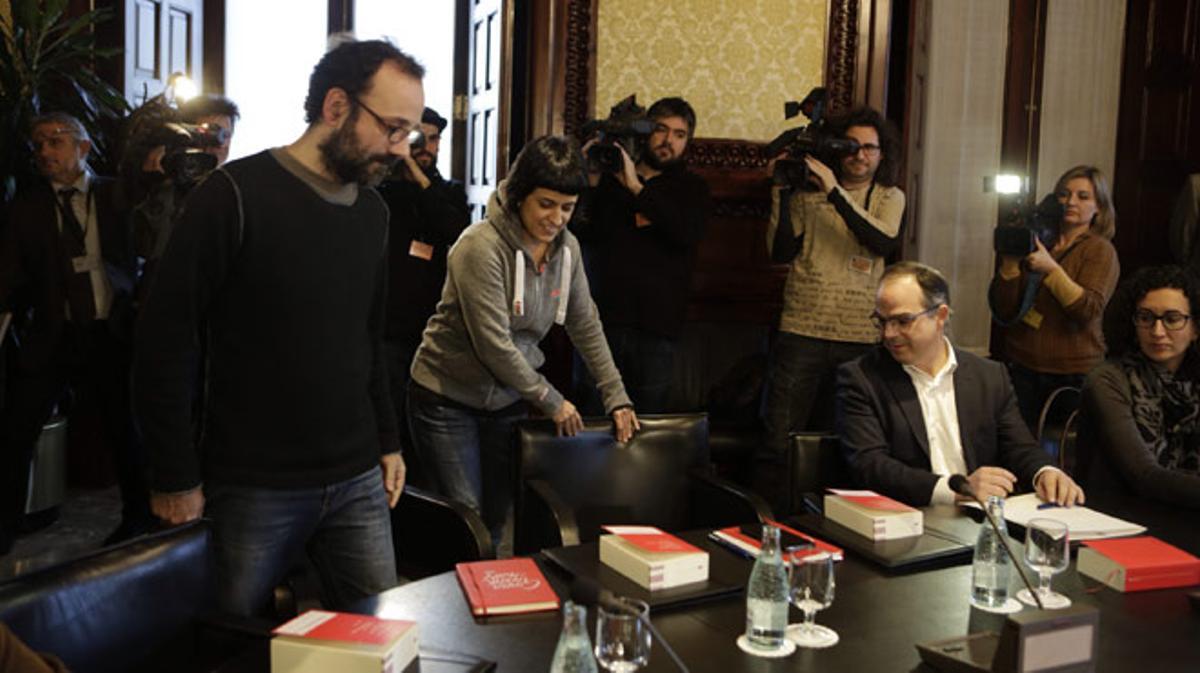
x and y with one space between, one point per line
647 365
260 533
89 362
801 389
468 452
1032 389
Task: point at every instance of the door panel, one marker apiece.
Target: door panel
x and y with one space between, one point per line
162 37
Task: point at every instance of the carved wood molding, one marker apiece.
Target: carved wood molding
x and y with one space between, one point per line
841 48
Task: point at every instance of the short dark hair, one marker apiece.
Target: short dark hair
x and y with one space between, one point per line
935 291
208 105
1120 334
431 117
350 67
552 162
674 106
888 173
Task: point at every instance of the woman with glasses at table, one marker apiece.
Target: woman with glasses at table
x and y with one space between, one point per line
1141 408
1058 340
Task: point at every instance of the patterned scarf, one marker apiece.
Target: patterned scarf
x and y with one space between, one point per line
1167 413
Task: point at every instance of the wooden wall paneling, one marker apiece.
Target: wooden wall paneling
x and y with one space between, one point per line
1158 137
915 95
214 46
1023 86
341 16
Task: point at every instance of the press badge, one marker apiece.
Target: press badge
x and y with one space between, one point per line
640 220
85 263
420 250
860 264
1032 318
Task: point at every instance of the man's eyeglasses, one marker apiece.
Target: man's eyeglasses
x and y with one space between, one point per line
870 150
902 321
395 134
1172 320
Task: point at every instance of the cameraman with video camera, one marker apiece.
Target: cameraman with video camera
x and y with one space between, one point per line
643 218
1055 340
834 227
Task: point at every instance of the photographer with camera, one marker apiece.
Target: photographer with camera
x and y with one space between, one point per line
215 112
834 227
643 219
1057 339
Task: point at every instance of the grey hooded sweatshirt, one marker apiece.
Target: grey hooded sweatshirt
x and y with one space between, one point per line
480 348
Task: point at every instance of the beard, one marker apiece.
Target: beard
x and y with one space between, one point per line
345 158
652 160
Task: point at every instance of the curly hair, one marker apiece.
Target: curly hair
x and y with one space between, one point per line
1120 334
350 67
552 162
888 173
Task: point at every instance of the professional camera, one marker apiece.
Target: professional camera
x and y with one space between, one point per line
813 139
185 160
627 126
1025 223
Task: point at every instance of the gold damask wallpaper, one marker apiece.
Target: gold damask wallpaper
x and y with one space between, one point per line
735 61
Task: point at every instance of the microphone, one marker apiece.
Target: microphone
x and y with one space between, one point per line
587 591
961 486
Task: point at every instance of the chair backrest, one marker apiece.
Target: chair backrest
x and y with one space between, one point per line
1068 461
815 462
643 481
431 534
1057 410
119 608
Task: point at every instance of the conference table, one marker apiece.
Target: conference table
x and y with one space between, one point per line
879 616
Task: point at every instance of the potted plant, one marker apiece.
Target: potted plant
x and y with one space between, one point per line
47 64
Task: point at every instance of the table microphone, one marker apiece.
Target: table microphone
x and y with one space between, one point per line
961 486
588 591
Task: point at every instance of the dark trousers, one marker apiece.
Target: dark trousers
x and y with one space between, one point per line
647 364
400 354
1032 388
88 362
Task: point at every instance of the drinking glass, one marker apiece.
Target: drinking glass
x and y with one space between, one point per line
811 584
1047 551
622 640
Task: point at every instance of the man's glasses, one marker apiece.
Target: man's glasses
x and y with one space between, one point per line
870 150
902 321
395 134
1172 320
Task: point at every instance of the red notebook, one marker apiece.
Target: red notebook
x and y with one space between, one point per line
504 587
734 538
1138 564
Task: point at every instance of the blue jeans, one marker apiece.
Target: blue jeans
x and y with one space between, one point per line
259 534
468 452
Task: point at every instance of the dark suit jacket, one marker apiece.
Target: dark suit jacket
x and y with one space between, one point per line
883 431
32 268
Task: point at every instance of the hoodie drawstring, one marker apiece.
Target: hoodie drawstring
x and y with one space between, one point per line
564 285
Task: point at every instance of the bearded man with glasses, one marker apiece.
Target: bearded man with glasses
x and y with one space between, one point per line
835 238
914 410
279 262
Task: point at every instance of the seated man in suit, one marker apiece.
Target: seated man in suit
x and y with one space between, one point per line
916 410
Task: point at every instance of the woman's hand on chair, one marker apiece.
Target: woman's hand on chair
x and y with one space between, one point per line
625 423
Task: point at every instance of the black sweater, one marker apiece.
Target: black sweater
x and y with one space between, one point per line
288 288
641 276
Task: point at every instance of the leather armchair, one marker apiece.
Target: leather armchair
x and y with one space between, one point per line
815 463
130 607
431 534
567 487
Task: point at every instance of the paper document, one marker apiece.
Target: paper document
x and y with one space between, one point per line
1083 523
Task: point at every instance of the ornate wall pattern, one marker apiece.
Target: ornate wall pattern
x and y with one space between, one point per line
735 61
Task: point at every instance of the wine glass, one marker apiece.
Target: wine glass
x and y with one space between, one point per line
622 640
1047 551
811 585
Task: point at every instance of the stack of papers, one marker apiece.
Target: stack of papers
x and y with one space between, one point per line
1083 523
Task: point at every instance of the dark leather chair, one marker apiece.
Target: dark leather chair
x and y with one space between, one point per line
431 534
135 606
567 487
815 463
1060 405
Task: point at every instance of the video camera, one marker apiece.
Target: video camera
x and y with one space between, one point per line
185 160
813 139
1027 223
627 126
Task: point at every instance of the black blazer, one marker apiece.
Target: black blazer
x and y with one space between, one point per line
883 431
31 268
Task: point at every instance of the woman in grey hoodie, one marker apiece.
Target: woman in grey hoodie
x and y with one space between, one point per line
509 278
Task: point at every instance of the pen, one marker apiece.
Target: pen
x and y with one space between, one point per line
1047 505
